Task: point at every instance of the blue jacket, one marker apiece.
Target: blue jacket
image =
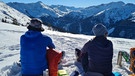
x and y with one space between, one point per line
100 54
33 52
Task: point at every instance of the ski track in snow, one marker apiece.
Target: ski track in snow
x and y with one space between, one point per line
9 49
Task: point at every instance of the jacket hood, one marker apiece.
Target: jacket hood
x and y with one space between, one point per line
101 42
31 34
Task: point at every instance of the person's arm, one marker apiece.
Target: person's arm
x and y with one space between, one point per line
82 52
84 57
50 44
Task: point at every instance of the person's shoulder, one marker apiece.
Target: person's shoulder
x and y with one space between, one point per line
109 41
22 36
89 42
45 36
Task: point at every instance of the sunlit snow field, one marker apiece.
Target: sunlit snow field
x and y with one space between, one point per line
10 48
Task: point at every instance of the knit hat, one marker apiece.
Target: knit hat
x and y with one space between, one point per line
36 25
99 30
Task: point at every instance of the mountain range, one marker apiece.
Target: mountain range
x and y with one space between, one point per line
118 17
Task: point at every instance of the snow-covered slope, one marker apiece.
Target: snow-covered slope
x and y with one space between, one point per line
9 14
133 17
63 10
119 13
115 11
93 10
9 48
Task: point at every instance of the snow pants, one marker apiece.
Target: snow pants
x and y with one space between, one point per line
82 72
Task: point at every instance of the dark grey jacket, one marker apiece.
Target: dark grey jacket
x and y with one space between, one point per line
100 54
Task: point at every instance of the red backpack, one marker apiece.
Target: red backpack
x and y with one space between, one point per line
53 58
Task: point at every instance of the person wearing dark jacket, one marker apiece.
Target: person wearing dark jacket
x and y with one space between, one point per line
96 55
33 49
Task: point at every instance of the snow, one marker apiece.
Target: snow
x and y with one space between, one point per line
93 10
37 9
133 18
9 14
120 13
30 9
9 48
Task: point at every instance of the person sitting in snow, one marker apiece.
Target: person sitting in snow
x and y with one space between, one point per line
96 55
33 49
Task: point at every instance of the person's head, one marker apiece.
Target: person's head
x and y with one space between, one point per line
100 30
35 25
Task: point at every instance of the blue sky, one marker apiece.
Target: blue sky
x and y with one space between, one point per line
75 3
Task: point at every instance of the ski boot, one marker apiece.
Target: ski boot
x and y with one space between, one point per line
77 54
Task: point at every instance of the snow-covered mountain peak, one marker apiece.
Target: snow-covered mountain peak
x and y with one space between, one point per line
133 17
108 5
111 12
37 9
96 10
116 3
41 5
64 10
39 2
119 13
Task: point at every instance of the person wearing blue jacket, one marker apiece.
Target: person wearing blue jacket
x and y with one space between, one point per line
33 49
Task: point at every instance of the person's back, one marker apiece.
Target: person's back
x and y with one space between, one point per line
33 51
100 52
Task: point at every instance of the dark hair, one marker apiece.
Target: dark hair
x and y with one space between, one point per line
36 20
35 29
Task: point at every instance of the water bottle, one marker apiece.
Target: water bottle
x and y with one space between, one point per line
119 59
46 72
126 56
